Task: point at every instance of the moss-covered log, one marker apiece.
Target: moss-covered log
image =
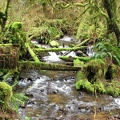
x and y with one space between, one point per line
47 66
34 56
58 49
71 59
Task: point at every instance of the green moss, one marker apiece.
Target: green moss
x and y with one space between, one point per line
94 70
80 75
16 25
54 43
45 33
88 86
84 84
78 63
100 87
113 89
92 77
5 95
79 84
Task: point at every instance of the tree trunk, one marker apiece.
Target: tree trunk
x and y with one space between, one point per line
4 18
111 8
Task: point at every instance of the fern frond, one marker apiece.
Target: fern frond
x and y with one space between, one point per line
116 59
78 84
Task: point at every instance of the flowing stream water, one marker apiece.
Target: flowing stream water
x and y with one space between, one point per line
52 96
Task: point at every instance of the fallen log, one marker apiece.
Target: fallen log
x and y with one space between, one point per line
47 66
71 59
33 55
58 49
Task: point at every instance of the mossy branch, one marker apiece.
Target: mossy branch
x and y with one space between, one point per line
58 49
6 76
81 4
34 56
5 16
67 58
61 5
47 66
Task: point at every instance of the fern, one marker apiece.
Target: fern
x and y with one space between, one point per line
79 84
106 49
116 59
101 87
88 86
18 99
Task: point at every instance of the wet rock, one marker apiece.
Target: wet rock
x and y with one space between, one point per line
24 83
34 118
114 117
79 53
84 108
29 94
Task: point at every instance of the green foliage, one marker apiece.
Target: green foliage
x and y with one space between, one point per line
80 75
15 35
88 86
46 33
79 84
106 49
45 2
16 26
92 77
78 63
84 84
91 25
94 69
27 118
5 95
113 88
100 87
54 43
18 99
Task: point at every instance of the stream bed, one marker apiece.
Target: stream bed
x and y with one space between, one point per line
52 96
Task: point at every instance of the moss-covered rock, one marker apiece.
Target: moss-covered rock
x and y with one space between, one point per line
54 43
5 95
93 76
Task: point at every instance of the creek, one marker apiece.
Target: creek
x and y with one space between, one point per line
52 96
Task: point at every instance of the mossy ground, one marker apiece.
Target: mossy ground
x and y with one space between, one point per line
92 78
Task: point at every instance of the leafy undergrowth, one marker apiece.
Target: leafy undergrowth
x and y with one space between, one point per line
112 88
92 78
